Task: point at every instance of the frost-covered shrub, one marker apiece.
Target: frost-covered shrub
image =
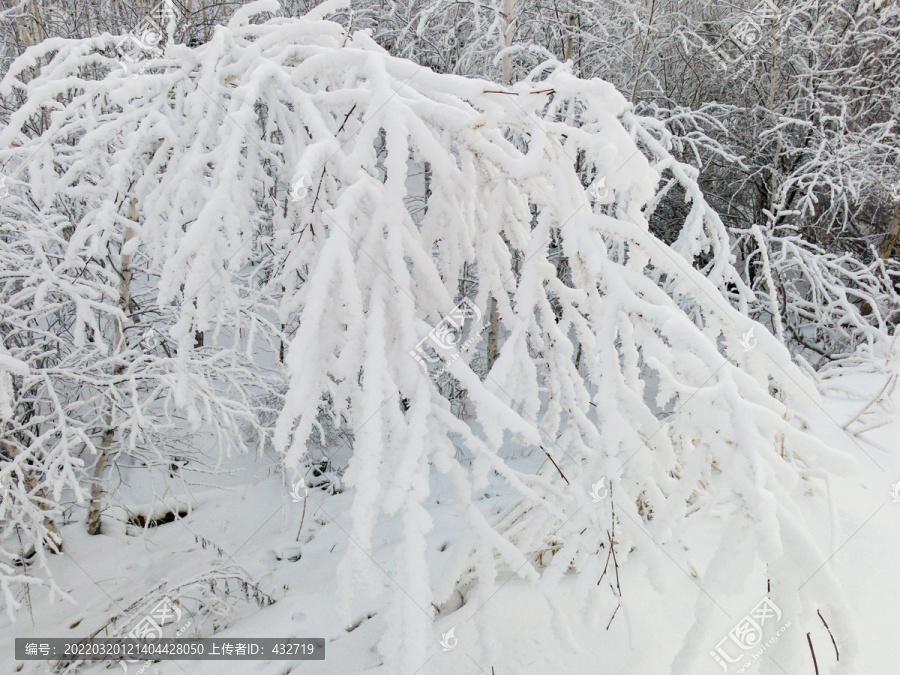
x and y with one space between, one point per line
618 356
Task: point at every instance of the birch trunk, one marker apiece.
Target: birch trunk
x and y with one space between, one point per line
509 7
40 497
509 30
97 482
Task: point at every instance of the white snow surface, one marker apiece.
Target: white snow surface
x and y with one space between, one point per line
253 519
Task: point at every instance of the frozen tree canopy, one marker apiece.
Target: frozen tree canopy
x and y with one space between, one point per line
290 186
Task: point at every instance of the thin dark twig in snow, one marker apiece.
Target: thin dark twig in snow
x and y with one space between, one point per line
813 652
612 555
612 550
871 402
556 465
613 616
322 177
605 566
344 123
515 93
302 517
612 537
837 654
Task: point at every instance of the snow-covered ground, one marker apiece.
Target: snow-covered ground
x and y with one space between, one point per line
254 519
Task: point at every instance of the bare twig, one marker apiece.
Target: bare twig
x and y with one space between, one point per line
871 402
613 616
515 93
302 517
813 652
556 465
322 177
612 549
837 654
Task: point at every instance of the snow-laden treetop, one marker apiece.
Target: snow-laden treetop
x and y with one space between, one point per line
368 187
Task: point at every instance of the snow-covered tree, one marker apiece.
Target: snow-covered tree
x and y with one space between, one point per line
104 384
807 95
394 204
795 103
40 312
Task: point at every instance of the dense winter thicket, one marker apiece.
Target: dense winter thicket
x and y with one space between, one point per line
246 231
788 110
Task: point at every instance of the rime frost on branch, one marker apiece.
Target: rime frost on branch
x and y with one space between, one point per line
616 351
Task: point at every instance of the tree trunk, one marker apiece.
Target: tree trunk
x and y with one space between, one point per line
509 7
640 67
509 30
96 506
493 335
97 484
40 497
885 251
570 28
